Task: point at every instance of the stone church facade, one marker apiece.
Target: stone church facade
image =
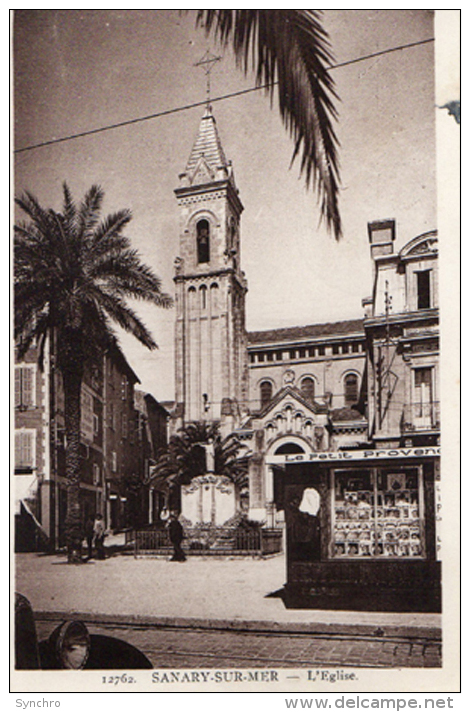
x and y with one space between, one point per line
317 388
298 389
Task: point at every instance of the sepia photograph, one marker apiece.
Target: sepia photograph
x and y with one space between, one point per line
230 469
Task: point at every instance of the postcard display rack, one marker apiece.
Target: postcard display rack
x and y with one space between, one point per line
377 514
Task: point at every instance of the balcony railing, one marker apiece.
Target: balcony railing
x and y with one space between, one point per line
421 416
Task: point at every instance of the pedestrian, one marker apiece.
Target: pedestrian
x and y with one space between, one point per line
89 534
99 534
176 534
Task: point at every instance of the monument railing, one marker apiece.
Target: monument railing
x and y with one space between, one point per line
209 541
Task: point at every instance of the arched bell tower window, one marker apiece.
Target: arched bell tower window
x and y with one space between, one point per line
265 392
203 241
203 294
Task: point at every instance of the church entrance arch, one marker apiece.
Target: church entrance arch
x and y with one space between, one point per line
274 476
289 449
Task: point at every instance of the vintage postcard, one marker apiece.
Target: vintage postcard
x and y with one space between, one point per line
236 261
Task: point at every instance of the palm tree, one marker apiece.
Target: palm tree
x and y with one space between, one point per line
291 49
72 274
184 458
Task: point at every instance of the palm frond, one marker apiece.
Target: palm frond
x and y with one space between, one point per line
290 48
122 314
128 276
79 269
69 209
89 211
28 331
112 226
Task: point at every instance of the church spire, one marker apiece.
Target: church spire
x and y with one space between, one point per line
207 162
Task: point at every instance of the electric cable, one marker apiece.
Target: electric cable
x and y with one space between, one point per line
186 107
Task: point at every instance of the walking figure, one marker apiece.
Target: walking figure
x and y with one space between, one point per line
176 533
99 534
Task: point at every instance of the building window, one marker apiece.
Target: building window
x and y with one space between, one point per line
203 295
356 347
96 424
203 241
266 392
25 386
192 300
252 358
124 388
278 355
321 350
270 355
124 425
335 349
351 390
25 449
260 357
214 297
113 461
378 514
422 397
307 387
96 474
423 289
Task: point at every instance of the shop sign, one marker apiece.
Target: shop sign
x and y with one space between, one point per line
356 455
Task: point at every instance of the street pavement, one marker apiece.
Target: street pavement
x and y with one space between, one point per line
192 613
182 647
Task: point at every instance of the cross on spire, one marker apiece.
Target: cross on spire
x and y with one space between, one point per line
207 63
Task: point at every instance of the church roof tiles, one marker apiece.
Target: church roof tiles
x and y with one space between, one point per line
311 331
207 145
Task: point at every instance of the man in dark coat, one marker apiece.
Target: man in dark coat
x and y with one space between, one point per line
176 534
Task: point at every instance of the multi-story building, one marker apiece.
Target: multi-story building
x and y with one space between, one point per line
109 445
378 508
402 331
121 465
40 482
32 452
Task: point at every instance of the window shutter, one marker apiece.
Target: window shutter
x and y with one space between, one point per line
27 376
24 449
17 387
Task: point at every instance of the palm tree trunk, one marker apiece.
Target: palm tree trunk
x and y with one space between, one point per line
72 381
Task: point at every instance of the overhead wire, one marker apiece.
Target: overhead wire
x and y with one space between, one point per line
167 112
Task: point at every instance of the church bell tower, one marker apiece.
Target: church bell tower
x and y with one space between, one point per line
210 340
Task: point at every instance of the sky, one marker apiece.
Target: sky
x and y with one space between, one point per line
76 70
